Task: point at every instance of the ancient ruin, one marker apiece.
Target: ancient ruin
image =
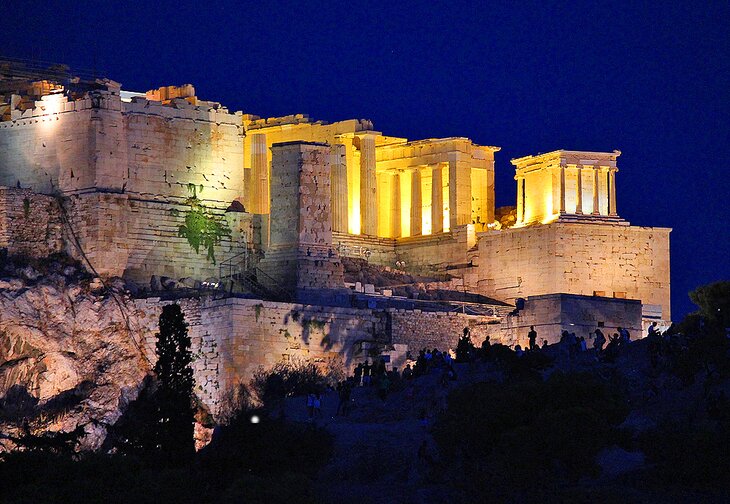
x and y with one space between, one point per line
291 238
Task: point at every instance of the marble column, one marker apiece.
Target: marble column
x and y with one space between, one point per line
562 189
579 192
437 202
520 199
260 174
612 192
339 188
395 207
416 204
596 210
459 190
368 186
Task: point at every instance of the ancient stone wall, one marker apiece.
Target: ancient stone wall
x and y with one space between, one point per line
136 239
182 150
30 223
420 253
554 313
234 337
576 258
47 151
300 253
440 330
437 252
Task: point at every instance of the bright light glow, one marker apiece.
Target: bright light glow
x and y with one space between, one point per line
51 105
254 419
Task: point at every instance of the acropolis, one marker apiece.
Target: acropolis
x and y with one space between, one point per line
275 233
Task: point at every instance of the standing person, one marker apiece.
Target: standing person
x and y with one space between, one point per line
317 404
486 345
624 334
343 393
366 374
653 331
599 341
532 336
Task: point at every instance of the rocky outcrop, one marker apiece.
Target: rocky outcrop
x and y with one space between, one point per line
66 341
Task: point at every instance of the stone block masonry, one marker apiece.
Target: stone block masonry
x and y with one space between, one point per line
30 223
440 330
136 239
300 255
234 337
554 313
577 258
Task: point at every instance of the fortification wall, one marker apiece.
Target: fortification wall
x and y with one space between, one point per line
576 258
177 152
47 151
233 337
136 239
554 313
30 223
440 330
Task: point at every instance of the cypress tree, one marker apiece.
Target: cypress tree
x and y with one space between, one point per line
175 377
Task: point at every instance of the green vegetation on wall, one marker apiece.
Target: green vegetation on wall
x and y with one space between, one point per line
202 227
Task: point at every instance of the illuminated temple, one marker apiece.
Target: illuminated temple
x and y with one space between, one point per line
123 178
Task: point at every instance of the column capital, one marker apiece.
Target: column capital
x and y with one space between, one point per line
367 133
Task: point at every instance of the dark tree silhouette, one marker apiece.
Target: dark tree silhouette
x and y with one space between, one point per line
175 377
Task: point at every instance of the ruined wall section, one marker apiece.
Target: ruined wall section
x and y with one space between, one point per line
136 239
576 258
440 330
552 314
181 150
48 149
301 255
422 254
436 253
30 223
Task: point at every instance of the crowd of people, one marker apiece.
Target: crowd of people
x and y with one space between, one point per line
377 377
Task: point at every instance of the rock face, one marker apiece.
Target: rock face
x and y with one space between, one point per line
66 336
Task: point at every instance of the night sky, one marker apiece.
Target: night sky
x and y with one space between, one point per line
651 80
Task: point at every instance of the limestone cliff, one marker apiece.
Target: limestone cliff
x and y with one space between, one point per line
67 351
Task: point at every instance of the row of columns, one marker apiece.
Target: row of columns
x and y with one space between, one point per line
611 182
416 209
368 189
579 210
368 194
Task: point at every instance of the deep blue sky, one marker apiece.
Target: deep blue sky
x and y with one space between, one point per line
650 79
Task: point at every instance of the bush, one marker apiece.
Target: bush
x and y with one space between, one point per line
290 379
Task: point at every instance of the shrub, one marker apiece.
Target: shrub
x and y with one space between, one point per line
288 379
